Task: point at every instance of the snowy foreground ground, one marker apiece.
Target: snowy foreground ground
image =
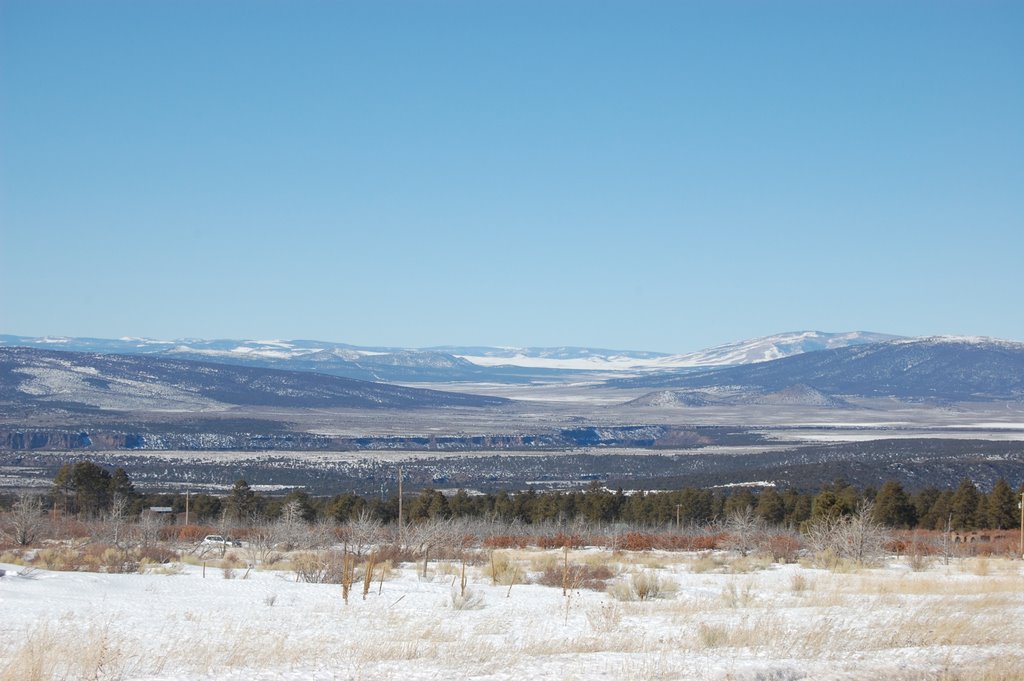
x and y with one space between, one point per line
964 620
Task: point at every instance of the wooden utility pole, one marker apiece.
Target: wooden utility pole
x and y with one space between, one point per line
399 503
1022 525
186 506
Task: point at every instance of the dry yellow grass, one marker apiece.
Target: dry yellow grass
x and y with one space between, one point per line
939 619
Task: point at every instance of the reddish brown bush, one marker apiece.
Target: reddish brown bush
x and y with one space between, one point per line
157 554
1000 543
506 541
395 553
783 548
185 533
671 541
559 541
69 528
593 577
638 541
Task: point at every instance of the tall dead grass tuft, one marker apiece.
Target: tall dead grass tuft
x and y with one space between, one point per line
46 654
642 586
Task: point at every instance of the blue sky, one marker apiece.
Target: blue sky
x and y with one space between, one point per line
644 175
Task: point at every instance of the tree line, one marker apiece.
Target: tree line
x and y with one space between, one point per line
86 489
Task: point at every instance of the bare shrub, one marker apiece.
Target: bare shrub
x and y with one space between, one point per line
362 533
642 586
291 531
855 539
744 531
781 547
319 567
157 554
578 576
26 519
749 563
708 561
919 562
502 569
260 544
60 558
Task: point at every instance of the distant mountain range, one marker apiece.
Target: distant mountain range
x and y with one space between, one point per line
79 380
943 369
798 369
451 363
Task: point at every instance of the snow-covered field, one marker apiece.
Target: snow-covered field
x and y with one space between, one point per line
964 620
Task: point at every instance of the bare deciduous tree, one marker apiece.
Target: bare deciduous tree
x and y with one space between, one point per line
746 530
363 533
292 531
149 528
27 519
261 543
118 517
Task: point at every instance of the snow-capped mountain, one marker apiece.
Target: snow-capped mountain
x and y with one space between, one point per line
33 377
768 348
455 363
598 359
940 369
337 359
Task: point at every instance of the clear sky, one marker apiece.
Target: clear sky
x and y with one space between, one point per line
643 175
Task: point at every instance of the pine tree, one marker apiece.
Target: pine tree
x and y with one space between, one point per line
939 514
965 506
1001 507
770 507
892 507
241 503
923 502
83 488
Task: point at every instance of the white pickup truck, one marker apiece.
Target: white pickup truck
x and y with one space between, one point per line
218 540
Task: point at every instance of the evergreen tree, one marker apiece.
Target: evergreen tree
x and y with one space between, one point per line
938 516
739 501
345 507
770 506
1001 507
923 502
83 488
826 505
121 484
695 505
203 507
892 507
429 504
241 504
461 505
798 507
965 506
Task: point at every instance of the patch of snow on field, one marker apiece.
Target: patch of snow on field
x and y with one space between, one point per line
786 622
